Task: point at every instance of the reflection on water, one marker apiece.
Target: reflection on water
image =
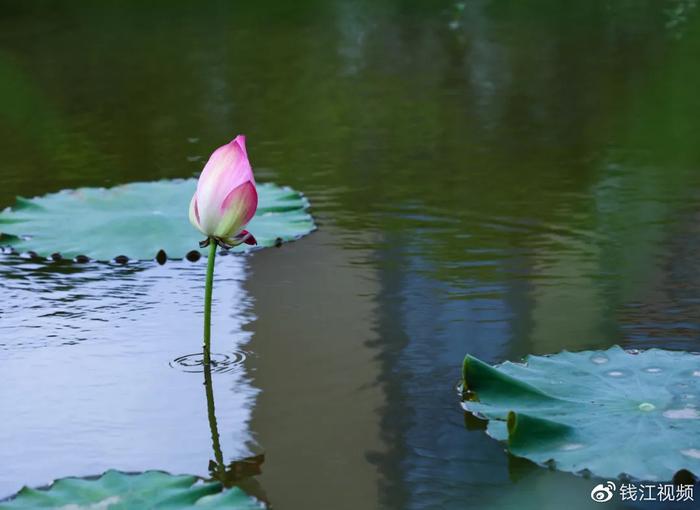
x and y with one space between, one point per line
239 473
489 177
84 357
318 414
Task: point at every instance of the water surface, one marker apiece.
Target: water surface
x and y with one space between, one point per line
497 178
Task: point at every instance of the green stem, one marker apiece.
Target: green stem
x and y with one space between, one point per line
207 301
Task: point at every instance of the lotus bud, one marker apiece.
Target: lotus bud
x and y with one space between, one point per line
226 198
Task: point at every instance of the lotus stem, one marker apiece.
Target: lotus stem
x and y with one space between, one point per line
207 301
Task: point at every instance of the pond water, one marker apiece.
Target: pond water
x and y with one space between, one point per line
497 178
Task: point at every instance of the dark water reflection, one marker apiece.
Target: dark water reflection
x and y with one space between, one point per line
489 177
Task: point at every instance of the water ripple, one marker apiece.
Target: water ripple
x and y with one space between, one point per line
220 363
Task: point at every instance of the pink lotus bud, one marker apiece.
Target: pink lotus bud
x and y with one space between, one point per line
226 198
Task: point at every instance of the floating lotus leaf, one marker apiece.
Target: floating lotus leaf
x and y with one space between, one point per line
611 413
120 491
138 220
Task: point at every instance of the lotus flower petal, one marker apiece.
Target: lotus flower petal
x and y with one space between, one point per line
237 210
247 238
194 213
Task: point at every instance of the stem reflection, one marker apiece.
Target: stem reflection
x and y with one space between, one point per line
238 473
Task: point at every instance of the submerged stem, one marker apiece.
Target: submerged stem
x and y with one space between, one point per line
207 301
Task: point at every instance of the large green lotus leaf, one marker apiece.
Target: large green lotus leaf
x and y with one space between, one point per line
610 413
121 491
137 220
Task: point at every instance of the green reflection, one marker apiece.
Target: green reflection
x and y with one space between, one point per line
239 473
218 464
